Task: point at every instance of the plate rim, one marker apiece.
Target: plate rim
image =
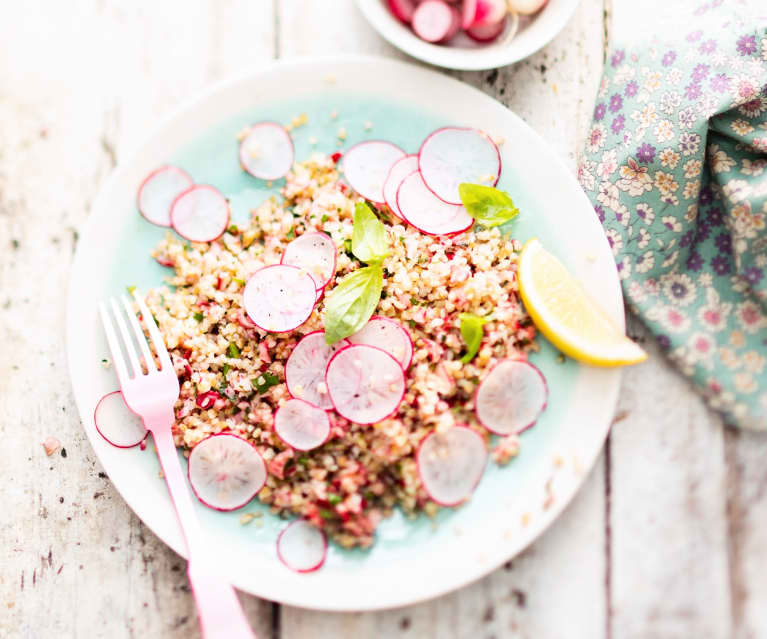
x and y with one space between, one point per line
539 524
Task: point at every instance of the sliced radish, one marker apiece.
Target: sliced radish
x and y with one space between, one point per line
305 369
451 464
398 172
200 214
489 12
402 9
266 152
526 7
366 166
365 383
315 253
453 155
427 212
301 425
302 547
158 190
486 32
279 298
469 11
225 471
511 397
388 335
117 423
432 20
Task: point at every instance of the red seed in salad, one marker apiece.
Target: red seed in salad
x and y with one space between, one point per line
302 547
451 464
117 423
366 384
225 471
511 397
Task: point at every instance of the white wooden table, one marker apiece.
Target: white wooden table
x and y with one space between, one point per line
667 537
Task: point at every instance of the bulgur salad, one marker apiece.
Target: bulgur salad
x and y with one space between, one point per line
357 345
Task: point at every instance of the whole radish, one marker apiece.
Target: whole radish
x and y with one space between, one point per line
526 7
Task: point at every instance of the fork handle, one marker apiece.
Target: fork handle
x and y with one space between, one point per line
221 615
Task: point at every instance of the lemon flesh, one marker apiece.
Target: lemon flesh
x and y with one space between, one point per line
566 314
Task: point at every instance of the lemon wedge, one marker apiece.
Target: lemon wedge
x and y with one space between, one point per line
566 314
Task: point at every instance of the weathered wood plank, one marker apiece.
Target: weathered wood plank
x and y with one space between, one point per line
556 588
746 453
79 84
669 564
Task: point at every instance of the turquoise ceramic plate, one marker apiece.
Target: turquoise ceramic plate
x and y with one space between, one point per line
411 560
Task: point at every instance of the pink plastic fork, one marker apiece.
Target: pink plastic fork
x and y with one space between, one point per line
152 396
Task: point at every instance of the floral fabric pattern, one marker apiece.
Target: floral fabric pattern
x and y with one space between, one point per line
676 165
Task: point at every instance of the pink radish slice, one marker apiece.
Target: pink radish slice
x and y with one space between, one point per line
526 7
468 11
402 9
200 214
432 20
489 12
455 25
117 423
315 253
305 369
365 383
398 172
453 155
511 397
279 298
451 464
388 335
486 32
158 190
366 166
301 425
302 547
267 151
225 471
424 210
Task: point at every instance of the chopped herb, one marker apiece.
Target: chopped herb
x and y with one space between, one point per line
348 249
303 460
233 229
416 302
264 382
238 281
487 205
472 333
326 514
199 316
291 234
130 289
324 218
232 350
225 370
334 499
412 323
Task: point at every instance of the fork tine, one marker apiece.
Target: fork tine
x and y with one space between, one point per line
154 332
114 345
140 337
127 341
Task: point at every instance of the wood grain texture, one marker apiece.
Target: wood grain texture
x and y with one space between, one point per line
79 83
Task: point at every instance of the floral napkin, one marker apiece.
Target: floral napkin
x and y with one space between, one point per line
676 166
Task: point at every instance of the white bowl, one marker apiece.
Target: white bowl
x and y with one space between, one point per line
462 52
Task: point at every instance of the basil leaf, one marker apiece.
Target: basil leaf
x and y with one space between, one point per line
472 333
487 205
369 240
350 304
